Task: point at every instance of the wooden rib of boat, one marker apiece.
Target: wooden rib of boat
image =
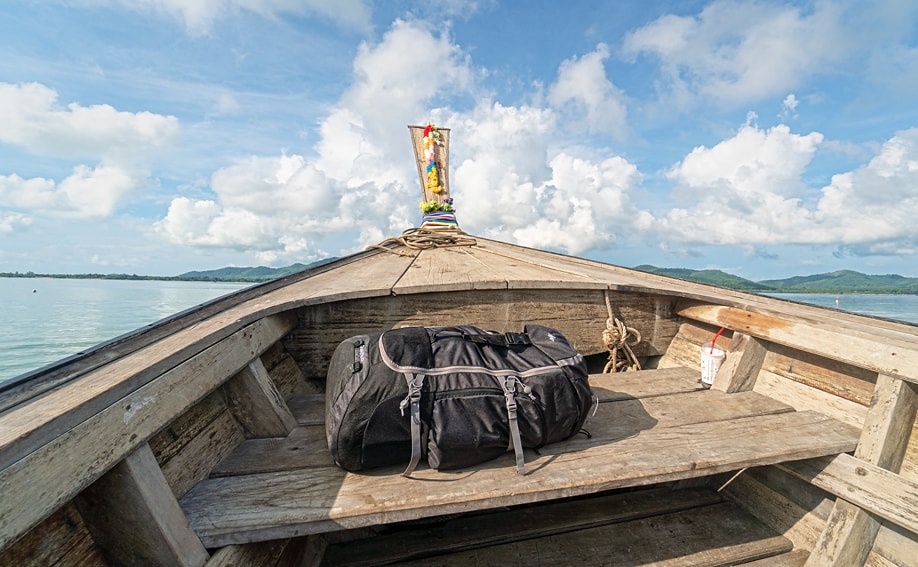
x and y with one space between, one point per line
200 441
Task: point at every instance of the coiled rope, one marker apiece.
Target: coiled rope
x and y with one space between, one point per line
423 239
619 339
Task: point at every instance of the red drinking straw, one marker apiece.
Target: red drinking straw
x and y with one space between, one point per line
715 339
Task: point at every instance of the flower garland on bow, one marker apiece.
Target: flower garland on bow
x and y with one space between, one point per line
430 142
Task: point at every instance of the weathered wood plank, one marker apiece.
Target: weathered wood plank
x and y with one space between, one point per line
308 409
274 505
322 327
890 355
851 531
741 367
804 397
837 378
135 519
261 554
256 403
645 383
795 558
876 490
718 535
288 377
801 525
173 439
218 440
896 544
56 541
307 446
685 348
476 530
51 475
464 268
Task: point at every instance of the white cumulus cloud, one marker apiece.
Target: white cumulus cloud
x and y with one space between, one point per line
586 95
738 51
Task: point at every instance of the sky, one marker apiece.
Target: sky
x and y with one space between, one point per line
765 138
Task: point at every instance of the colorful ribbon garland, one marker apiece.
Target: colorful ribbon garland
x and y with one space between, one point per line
431 137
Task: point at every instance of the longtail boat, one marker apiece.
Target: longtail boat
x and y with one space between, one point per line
200 440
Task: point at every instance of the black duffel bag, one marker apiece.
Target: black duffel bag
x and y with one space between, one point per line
457 395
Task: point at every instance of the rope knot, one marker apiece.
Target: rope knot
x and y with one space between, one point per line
619 338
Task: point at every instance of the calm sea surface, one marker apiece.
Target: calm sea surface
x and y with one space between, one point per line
43 320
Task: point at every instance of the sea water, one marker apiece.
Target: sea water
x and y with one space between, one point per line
43 320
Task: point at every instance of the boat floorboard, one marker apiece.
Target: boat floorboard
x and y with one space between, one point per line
651 427
658 527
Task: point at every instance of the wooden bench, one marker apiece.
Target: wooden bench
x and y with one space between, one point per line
651 427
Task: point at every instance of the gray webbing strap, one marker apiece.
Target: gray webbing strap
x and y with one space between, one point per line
509 386
415 384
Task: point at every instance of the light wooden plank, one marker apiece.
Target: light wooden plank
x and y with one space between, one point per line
876 490
888 424
307 446
795 558
472 531
256 403
175 436
896 544
51 475
804 397
273 505
894 356
134 518
308 409
718 535
645 383
840 379
740 370
851 531
463 268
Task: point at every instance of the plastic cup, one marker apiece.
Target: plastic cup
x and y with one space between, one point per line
710 364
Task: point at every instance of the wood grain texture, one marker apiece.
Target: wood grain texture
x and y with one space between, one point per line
61 539
216 441
717 535
257 405
837 378
579 315
52 474
740 370
273 505
874 489
804 397
892 354
135 519
476 530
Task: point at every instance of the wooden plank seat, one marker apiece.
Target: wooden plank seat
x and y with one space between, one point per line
651 427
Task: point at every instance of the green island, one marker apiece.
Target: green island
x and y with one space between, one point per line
842 281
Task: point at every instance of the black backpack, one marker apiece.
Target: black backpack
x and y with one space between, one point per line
457 395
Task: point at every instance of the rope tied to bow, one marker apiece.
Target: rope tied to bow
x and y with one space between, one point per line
424 239
619 338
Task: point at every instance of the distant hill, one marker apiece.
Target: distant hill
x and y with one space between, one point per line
713 277
259 274
842 281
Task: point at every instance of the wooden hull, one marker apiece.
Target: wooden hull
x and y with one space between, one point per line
199 441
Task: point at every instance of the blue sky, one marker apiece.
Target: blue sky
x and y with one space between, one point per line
768 139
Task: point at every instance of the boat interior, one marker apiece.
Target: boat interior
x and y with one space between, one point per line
200 440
